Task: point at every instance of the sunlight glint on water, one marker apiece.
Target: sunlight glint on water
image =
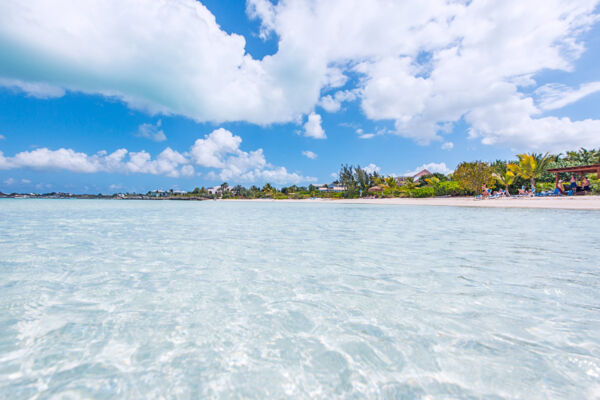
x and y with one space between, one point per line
106 299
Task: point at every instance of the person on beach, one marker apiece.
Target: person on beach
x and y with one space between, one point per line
523 191
585 185
559 188
484 191
573 184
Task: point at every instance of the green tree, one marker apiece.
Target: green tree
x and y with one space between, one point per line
472 175
505 178
583 156
348 180
531 166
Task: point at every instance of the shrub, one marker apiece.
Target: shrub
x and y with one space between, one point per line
544 186
425 191
449 188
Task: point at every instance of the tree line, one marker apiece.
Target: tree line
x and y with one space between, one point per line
527 169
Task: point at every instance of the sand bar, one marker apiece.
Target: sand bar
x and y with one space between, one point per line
561 203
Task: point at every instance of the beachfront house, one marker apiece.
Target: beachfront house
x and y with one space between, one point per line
331 188
179 192
219 189
416 177
158 193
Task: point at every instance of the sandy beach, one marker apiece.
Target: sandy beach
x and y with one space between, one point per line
560 203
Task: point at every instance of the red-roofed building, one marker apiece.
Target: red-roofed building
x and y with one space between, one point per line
416 177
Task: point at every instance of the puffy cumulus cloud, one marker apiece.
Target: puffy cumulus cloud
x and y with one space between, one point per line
209 152
423 64
120 161
427 64
431 167
372 168
309 154
278 175
313 128
2 137
167 56
219 151
333 103
152 132
447 146
166 163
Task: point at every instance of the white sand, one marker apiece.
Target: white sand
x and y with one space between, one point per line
565 203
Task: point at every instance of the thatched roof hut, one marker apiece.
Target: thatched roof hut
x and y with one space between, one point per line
375 189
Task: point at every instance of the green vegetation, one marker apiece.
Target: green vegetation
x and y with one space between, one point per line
353 181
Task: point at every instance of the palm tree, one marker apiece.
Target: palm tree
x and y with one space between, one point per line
505 178
584 156
530 166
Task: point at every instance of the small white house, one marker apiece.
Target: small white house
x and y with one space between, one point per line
218 189
331 188
159 193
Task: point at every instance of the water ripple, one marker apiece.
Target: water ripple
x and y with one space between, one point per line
109 299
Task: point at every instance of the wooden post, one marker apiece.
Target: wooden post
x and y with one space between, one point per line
556 183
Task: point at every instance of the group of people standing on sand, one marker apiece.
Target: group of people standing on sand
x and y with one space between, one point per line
572 187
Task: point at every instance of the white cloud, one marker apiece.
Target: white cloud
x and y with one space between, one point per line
38 90
431 167
309 154
26 181
333 103
209 152
553 96
362 135
329 104
166 163
447 146
219 150
152 132
313 128
2 137
423 64
160 56
428 64
9 181
371 168
187 170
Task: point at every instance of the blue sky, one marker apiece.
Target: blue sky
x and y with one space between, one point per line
183 94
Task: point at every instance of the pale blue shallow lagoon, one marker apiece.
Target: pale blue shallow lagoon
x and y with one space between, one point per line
165 299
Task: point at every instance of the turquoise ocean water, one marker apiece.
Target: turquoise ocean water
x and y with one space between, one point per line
142 299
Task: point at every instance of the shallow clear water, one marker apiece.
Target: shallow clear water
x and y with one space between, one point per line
128 299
